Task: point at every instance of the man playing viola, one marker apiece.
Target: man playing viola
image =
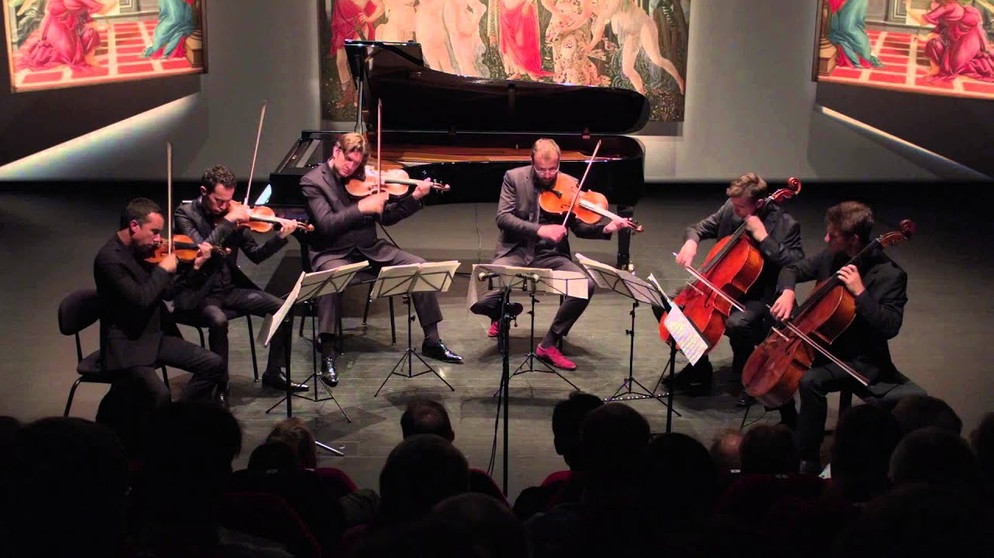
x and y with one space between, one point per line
879 287
533 238
778 238
214 219
345 232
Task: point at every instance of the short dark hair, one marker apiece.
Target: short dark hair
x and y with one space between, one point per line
218 174
424 416
851 217
139 210
750 185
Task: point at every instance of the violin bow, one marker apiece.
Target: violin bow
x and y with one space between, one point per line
255 152
579 186
379 136
169 196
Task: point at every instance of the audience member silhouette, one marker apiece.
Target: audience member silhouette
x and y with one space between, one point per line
982 442
561 486
64 482
769 449
918 411
933 455
865 438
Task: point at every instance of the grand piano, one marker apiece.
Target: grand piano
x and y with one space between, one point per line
466 132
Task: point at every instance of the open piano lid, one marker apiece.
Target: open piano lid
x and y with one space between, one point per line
417 98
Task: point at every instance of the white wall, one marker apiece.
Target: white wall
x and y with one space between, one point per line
750 104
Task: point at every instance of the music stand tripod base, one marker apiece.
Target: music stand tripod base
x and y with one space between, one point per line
407 280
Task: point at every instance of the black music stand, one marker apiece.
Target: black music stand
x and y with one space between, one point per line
309 286
406 280
628 285
683 333
535 280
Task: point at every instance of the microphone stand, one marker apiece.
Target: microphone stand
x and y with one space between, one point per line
504 346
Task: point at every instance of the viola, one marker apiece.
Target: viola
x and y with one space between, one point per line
730 269
589 208
262 219
773 372
395 182
183 246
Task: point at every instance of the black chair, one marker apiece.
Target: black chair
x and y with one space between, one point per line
78 311
231 315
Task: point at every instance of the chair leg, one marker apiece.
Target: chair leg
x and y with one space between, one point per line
72 393
255 362
200 331
165 376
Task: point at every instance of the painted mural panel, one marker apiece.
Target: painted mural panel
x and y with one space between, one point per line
68 43
600 43
934 47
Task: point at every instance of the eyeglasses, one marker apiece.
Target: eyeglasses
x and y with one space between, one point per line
553 170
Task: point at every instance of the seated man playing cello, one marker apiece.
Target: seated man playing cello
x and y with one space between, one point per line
215 219
778 238
879 288
533 238
345 232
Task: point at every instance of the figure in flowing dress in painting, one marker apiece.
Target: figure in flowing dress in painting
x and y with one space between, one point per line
351 19
519 43
66 36
569 32
847 31
958 45
176 23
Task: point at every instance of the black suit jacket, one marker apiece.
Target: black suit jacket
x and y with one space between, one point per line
781 247
191 220
879 309
133 317
519 217
339 227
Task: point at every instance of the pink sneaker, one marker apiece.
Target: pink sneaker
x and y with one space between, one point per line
494 329
552 356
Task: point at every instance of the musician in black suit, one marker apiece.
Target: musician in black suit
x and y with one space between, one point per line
531 237
879 288
137 333
777 236
345 232
214 219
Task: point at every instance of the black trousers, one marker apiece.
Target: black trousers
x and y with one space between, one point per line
569 311
219 308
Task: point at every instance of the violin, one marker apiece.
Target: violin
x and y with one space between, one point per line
262 219
589 208
395 182
773 372
730 269
183 246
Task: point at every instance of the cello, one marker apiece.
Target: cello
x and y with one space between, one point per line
730 269
773 372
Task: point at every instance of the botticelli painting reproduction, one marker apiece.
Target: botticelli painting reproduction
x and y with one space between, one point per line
598 43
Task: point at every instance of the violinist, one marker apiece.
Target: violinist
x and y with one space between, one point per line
215 219
345 232
136 332
531 237
879 287
778 237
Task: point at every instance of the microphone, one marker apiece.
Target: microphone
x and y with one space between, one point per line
529 276
484 275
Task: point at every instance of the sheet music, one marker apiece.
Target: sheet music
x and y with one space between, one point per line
620 281
411 278
683 331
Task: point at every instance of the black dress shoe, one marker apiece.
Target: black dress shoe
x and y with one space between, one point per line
328 374
745 400
691 375
277 380
222 395
439 351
